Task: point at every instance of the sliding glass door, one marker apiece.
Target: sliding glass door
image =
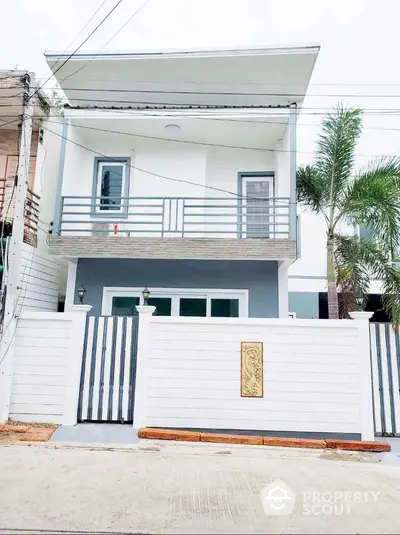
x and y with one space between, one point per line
178 302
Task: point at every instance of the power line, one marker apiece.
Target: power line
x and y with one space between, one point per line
9 122
78 47
224 93
245 121
255 82
180 180
227 93
184 141
160 106
313 125
81 31
204 186
108 42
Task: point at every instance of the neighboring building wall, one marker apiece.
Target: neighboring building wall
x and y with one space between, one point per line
314 375
9 151
304 304
40 280
260 278
47 353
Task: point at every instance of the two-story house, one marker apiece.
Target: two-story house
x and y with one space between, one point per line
178 174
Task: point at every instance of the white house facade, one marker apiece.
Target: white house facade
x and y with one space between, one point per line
177 173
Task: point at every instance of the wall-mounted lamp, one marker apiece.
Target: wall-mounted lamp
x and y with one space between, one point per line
360 301
146 294
81 293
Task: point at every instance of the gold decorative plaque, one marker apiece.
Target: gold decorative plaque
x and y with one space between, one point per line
251 373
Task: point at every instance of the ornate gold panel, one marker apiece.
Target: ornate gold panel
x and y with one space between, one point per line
251 370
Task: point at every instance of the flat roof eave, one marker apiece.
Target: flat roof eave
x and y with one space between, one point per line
214 52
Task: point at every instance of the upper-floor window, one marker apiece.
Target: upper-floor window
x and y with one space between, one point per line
111 184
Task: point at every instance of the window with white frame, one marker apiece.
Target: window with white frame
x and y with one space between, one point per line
177 302
111 184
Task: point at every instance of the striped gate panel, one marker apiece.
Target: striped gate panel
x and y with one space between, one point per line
385 368
108 369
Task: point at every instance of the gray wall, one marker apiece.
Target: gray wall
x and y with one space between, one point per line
305 304
260 278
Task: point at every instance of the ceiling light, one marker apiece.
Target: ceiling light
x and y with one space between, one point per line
172 129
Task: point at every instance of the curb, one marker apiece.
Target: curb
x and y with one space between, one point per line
258 440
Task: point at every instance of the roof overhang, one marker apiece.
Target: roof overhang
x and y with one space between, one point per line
231 77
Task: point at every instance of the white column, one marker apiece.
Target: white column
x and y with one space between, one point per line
78 315
143 346
283 290
367 415
71 283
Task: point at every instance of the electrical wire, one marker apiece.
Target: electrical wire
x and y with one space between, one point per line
201 143
254 82
160 106
108 42
249 121
180 180
228 93
9 122
17 304
77 48
80 31
19 298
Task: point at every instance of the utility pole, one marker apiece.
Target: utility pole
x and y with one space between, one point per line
14 280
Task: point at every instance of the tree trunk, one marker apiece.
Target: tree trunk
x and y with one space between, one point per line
333 304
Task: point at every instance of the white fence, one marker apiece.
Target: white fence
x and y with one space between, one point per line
316 375
316 378
47 354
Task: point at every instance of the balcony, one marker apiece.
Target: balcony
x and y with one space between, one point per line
31 212
175 227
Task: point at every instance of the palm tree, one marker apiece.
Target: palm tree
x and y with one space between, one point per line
344 197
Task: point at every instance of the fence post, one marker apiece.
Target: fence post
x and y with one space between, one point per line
78 327
143 343
367 415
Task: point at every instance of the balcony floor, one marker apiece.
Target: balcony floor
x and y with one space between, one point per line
173 248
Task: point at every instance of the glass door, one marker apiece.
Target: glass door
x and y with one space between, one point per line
257 214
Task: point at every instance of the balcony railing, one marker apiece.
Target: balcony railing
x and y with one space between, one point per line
31 209
175 217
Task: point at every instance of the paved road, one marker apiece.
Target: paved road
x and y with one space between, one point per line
182 488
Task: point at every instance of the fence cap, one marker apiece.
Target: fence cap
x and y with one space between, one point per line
361 315
145 309
78 308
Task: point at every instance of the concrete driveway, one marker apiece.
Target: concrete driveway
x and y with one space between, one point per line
195 488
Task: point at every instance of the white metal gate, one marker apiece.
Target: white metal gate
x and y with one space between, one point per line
385 367
107 384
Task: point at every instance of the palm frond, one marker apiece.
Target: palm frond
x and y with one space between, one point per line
352 270
373 200
310 188
335 151
370 261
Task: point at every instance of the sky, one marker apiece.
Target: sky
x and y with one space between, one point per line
358 63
